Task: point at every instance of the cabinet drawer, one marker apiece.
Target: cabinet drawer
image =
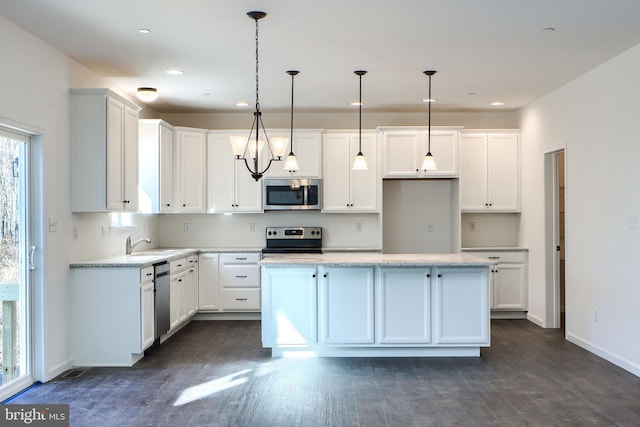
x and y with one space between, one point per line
240 258
178 265
500 256
241 299
146 274
239 276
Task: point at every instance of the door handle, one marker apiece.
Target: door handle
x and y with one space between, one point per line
32 250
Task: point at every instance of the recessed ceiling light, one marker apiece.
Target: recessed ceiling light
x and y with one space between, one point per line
497 104
144 31
174 72
242 104
429 100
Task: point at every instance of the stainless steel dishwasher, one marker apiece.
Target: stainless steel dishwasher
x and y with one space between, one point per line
162 299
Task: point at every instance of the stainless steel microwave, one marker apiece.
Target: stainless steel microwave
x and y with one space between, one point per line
291 194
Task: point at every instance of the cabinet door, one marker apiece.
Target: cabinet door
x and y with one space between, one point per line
192 157
503 172
364 183
166 170
403 299
509 290
307 148
248 191
130 161
462 306
289 306
473 172
115 155
401 153
345 306
220 174
148 314
444 148
336 164
208 287
174 295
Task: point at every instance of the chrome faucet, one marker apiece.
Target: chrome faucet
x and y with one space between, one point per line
130 246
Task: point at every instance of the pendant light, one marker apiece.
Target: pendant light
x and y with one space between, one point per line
429 163
243 147
360 163
291 164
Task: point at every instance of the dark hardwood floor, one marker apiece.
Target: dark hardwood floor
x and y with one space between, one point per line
215 373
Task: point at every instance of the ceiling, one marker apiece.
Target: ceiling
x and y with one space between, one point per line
483 50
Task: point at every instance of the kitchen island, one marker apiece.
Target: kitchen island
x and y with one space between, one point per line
375 305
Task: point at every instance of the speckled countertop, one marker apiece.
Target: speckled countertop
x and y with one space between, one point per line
495 249
375 259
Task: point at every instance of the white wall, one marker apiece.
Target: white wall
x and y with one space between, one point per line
596 118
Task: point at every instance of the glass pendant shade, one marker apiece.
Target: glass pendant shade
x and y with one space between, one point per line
291 164
238 144
279 146
360 163
429 163
251 148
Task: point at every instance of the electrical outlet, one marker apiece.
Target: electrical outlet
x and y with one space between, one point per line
430 227
358 226
53 225
75 233
187 227
472 225
252 227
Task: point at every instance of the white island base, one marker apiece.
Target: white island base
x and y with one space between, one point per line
375 305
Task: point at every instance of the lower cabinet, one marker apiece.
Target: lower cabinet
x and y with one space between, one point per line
147 307
354 310
508 283
229 282
182 291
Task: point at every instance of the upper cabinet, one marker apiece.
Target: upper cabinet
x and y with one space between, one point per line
156 163
490 171
191 152
229 183
404 149
104 152
345 189
306 147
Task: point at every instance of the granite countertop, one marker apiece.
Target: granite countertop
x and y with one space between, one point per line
137 259
375 259
494 249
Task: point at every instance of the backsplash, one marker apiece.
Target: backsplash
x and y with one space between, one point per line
489 229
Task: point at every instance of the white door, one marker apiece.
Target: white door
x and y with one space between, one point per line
15 249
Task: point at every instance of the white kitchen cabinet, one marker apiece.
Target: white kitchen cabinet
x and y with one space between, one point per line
208 284
111 315
289 307
182 288
461 309
192 286
230 185
306 147
345 189
404 149
156 167
345 303
403 306
104 152
508 282
239 281
490 171
191 151
147 307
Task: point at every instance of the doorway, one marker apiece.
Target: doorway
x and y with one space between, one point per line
555 189
15 250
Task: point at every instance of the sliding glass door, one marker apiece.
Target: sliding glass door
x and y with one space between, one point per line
15 250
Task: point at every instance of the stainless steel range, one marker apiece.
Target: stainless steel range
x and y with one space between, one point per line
287 240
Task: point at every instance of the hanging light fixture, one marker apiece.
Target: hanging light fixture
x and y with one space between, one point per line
360 163
291 164
429 163
246 146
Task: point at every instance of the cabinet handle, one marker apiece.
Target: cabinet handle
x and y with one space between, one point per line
168 204
428 275
149 274
313 275
184 204
324 275
241 277
179 280
494 257
439 275
241 299
179 265
241 258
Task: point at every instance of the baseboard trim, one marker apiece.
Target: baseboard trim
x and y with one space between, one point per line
621 362
535 320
